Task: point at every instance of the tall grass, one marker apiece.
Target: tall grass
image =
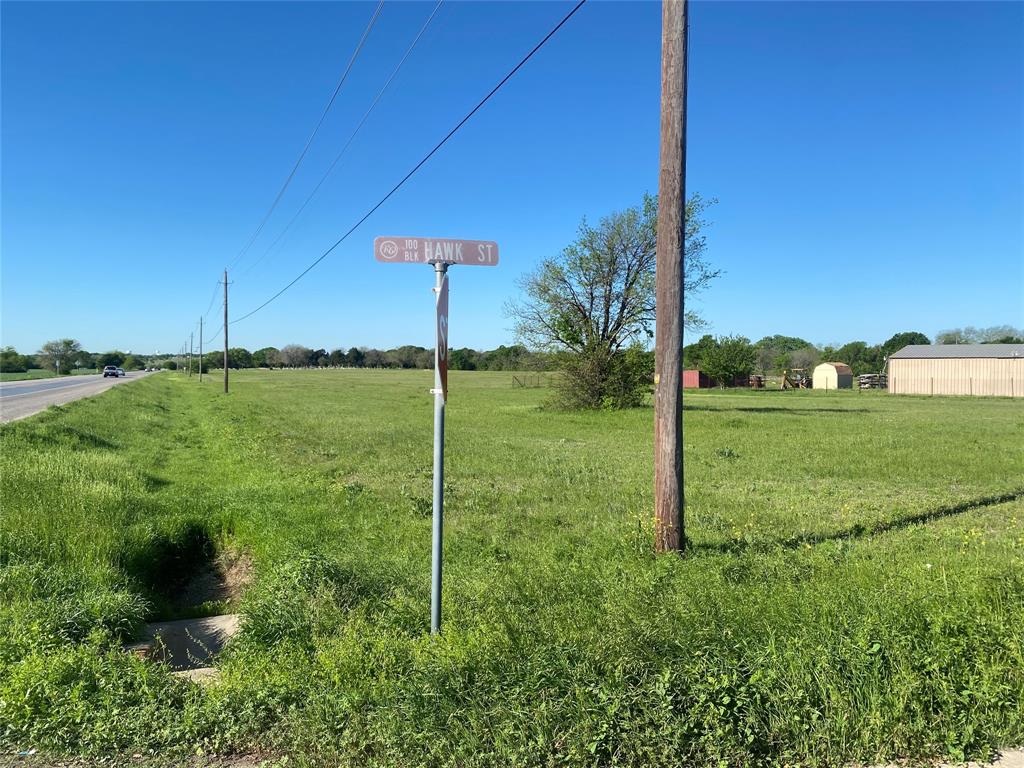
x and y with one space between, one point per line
854 588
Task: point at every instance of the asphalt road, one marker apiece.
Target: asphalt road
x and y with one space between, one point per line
19 399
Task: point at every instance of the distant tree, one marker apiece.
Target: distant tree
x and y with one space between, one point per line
59 355
109 358
356 357
295 355
238 357
337 358
374 358
694 353
261 358
169 365
462 359
900 340
731 357
782 343
1002 334
133 363
11 361
767 359
805 357
860 357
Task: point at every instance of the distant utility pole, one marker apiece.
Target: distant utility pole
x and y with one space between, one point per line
190 354
200 348
669 534
225 330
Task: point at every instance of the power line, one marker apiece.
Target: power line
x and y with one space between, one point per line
338 157
418 165
309 141
213 298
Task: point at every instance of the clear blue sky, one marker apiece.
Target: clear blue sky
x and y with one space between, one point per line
868 159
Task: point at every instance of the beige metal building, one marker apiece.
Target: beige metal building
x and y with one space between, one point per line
958 369
833 376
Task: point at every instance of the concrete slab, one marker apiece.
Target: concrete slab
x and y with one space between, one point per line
187 644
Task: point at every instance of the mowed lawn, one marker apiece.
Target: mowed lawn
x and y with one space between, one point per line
853 590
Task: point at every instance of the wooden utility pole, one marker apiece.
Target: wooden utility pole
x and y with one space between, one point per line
225 331
200 348
190 336
669 534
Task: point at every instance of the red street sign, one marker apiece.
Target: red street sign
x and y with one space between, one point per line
428 250
442 335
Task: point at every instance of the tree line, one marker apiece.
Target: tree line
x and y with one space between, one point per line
66 355
725 358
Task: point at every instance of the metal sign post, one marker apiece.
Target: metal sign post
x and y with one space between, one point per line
440 392
441 254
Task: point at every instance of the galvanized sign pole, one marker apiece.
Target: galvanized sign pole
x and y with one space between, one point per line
441 253
440 398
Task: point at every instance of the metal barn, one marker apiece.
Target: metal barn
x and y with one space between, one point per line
995 370
832 376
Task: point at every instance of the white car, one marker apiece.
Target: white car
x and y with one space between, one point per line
120 372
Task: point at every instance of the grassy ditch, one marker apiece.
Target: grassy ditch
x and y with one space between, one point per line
854 589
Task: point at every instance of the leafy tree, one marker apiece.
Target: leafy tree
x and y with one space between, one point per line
805 357
374 358
11 361
238 357
731 357
133 363
694 353
860 357
169 365
971 335
60 355
900 340
596 298
783 343
295 355
337 358
265 357
110 358
463 359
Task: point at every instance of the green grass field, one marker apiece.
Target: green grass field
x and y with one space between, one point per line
854 589
32 373
40 373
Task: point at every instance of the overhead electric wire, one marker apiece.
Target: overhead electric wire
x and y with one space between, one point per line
418 165
309 141
220 330
338 157
213 298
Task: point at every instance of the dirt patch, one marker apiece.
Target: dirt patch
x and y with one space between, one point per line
222 579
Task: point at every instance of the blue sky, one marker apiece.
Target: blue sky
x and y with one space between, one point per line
867 158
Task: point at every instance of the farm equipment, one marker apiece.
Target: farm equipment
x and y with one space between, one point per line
873 381
796 378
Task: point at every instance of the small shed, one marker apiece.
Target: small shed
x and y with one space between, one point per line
958 369
694 379
833 376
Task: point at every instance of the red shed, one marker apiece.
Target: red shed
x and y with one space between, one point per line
695 380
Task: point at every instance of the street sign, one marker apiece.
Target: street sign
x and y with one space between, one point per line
435 250
442 336
441 254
